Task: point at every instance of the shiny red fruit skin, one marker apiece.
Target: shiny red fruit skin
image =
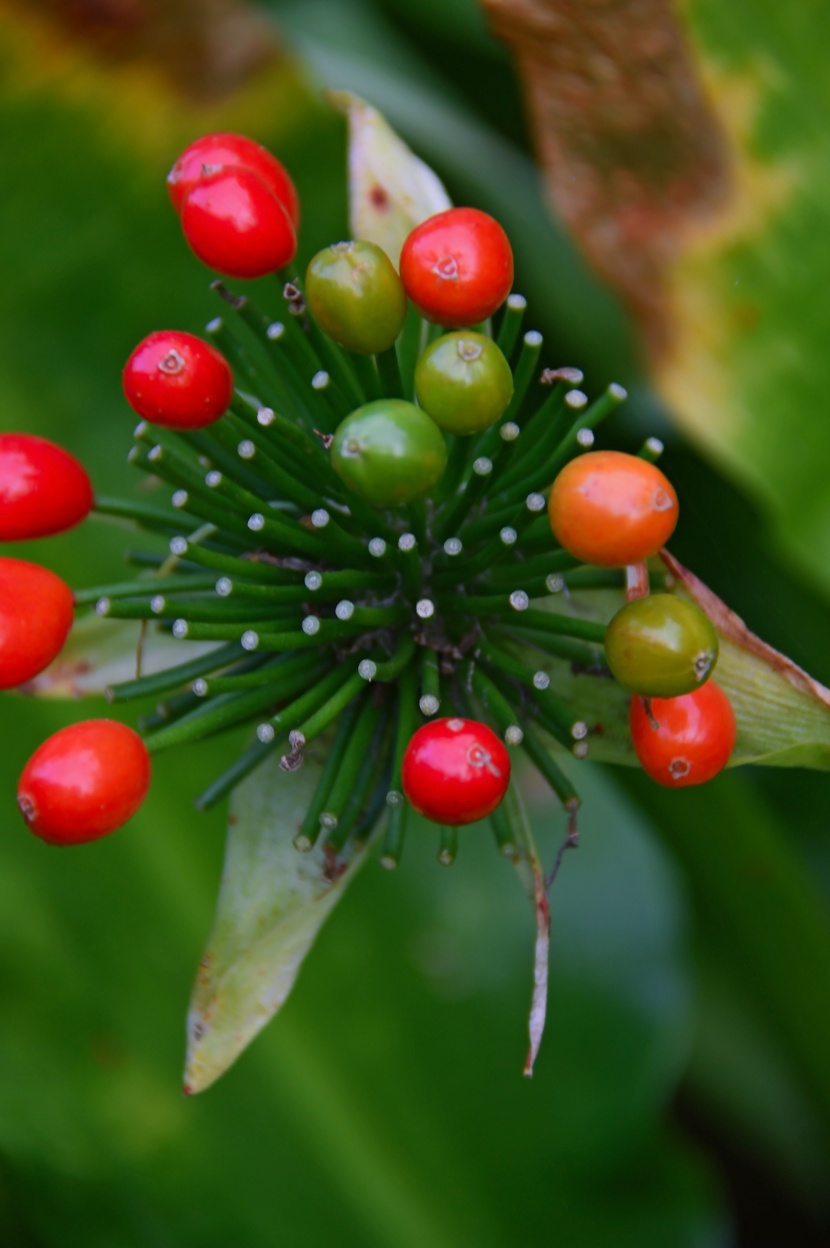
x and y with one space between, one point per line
457 267
36 613
213 152
43 489
455 771
236 226
612 509
84 782
177 380
694 739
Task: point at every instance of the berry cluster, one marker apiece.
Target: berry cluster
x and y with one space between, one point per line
369 509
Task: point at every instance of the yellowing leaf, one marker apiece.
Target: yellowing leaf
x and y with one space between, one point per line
272 903
390 189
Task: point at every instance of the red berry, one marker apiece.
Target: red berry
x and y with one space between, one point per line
84 782
693 739
612 509
177 380
43 489
455 771
213 152
36 612
457 267
235 225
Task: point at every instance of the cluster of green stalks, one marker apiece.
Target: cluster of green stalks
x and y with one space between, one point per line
328 616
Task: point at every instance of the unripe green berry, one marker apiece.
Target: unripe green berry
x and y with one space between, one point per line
389 452
356 296
661 646
464 382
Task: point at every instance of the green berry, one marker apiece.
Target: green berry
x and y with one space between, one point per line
389 452
464 382
356 296
661 646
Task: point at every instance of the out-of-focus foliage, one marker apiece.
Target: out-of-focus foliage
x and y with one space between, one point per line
691 946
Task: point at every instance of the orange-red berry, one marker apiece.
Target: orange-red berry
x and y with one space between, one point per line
455 771
177 380
612 509
43 489
457 267
36 613
84 782
685 740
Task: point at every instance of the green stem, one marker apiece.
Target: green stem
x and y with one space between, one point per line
429 681
539 755
310 827
447 846
172 677
227 710
390 373
273 733
146 584
511 324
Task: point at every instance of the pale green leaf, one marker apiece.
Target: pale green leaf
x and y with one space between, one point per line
102 652
272 903
390 189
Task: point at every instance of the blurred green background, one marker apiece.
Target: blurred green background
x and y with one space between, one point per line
682 1096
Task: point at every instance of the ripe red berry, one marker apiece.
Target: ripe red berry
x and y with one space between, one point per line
457 267
43 489
177 380
84 782
612 509
693 739
36 612
213 152
455 771
236 225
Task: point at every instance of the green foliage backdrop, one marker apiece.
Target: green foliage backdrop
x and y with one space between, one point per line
691 939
